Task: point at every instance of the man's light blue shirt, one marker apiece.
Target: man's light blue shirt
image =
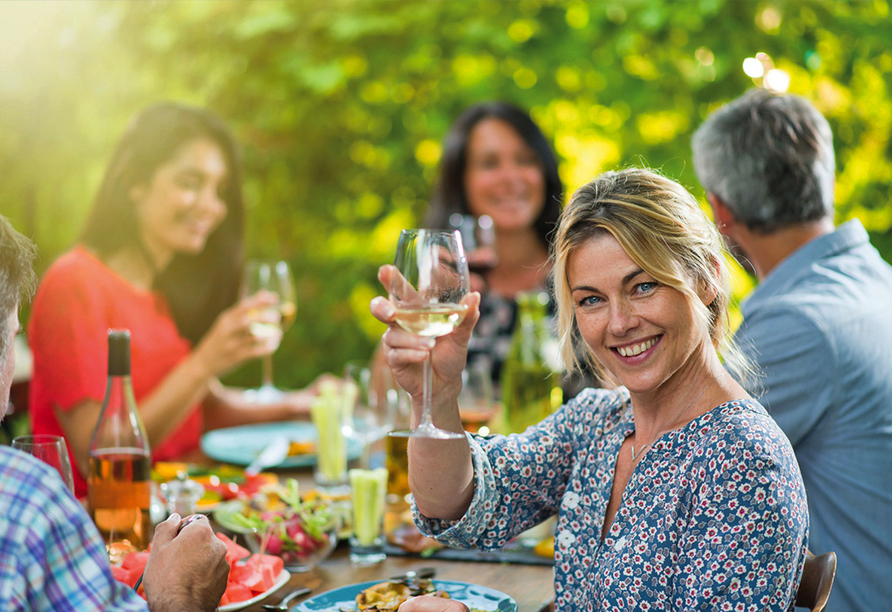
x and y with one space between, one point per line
820 328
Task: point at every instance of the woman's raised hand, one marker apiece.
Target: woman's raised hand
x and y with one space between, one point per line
230 340
405 352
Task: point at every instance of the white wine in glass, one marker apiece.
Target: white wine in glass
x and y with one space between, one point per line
274 277
427 289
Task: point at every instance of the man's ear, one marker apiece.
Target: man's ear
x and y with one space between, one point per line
723 216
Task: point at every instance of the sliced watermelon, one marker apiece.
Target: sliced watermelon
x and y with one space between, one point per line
234 551
234 593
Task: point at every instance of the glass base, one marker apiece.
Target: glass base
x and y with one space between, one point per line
266 394
427 431
367 554
330 488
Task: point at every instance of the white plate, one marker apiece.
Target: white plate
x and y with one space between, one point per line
282 579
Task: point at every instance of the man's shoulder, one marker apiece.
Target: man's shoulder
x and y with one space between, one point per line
832 289
22 473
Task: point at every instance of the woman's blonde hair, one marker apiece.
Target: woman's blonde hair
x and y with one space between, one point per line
663 229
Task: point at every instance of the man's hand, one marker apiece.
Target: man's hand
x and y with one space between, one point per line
186 570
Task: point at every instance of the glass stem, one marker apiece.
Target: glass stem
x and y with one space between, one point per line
426 392
267 365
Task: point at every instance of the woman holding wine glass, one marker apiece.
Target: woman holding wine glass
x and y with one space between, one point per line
498 167
160 255
675 490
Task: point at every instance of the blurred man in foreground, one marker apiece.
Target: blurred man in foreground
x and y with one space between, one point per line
52 558
819 324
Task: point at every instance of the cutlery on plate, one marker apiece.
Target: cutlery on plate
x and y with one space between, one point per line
283 605
274 453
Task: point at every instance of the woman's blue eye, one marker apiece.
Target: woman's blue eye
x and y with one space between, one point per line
589 301
646 287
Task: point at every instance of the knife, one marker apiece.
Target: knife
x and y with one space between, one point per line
272 455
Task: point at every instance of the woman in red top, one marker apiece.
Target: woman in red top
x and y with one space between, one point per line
160 255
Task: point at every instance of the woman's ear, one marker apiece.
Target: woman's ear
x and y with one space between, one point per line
709 291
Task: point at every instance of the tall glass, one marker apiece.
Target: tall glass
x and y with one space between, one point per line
274 277
373 403
52 450
427 288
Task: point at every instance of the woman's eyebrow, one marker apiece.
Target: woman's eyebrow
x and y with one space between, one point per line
626 279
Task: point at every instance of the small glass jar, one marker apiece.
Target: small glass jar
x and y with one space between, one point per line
182 495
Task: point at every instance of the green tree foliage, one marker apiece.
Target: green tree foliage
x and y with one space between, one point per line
341 106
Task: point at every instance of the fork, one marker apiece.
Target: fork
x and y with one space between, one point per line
283 605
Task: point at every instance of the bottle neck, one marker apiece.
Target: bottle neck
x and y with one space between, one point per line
119 425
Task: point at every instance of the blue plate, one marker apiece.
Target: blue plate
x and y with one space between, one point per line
241 445
474 596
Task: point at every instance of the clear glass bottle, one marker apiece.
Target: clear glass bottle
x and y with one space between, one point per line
530 381
119 483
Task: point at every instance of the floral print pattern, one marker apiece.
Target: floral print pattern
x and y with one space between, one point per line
714 516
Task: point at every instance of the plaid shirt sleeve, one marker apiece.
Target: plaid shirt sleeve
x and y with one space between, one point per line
52 558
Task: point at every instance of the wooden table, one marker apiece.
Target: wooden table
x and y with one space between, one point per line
531 586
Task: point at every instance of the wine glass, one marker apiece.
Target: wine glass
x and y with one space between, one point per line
427 288
274 277
478 235
52 450
372 407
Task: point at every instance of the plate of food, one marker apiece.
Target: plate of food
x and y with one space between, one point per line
241 445
387 596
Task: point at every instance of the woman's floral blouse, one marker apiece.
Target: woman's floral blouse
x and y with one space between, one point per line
714 516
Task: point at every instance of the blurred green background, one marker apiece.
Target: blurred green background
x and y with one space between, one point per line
341 105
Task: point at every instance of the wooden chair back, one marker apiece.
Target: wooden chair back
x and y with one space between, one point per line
817 579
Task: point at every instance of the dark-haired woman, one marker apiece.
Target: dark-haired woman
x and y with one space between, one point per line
497 162
160 255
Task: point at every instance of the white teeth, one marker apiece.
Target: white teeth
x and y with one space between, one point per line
636 349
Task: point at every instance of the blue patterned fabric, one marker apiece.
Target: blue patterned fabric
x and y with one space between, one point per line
52 558
714 516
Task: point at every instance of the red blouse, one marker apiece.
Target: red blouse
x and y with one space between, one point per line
78 301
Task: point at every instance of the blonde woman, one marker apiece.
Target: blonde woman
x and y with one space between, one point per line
675 490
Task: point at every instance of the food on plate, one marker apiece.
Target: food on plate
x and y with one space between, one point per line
407 537
307 447
249 575
387 596
401 531
294 529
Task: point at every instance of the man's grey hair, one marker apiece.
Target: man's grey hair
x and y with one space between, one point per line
17 278
769 158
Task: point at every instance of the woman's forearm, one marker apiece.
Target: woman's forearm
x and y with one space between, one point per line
441 475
